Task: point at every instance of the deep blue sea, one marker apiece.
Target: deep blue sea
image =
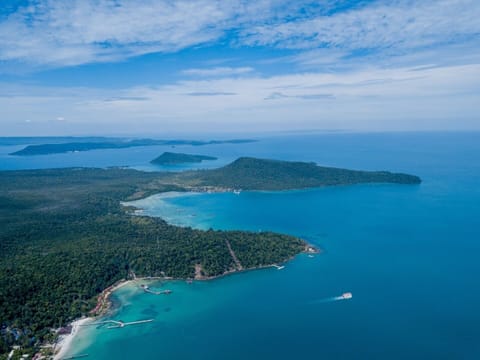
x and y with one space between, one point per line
409 254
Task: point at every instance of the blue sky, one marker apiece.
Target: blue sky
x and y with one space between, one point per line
162 67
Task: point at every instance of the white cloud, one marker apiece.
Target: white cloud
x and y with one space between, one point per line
218 71
279 95
393 64
370 99
82 31
59 33
398 24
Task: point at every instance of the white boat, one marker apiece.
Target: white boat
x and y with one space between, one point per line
346 296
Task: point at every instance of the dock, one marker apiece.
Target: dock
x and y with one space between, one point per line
164 292
121 324
75 357
161 292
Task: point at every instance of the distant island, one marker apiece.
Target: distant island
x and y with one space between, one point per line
30 140
170 158
65 147
65 236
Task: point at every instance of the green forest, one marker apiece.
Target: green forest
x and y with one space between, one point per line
264 174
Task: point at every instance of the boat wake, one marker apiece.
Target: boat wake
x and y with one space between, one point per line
344 296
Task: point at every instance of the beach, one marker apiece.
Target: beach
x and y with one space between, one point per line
63 345
65 341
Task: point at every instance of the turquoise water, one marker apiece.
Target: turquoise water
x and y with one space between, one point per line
409 255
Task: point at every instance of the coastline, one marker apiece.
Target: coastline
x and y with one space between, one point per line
64 344
104 303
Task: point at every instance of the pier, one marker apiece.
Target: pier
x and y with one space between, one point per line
148 290
75 357
119 323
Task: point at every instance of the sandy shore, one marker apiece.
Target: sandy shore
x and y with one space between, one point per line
65 341
63 345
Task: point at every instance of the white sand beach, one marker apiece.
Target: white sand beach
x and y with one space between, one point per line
64 343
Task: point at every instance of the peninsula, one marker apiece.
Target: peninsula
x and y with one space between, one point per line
65 236
106 143
170 158
275 175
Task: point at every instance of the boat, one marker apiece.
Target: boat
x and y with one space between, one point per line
237 192
346 296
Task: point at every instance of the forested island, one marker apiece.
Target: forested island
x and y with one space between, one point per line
65 236
264 174
170 158
65 147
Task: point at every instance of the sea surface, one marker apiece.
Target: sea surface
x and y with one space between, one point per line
409 254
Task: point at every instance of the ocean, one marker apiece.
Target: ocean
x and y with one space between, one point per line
407 253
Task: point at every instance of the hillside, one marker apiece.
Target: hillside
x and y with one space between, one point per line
262 174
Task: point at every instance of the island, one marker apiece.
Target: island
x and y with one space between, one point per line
275 175
66 147
66 238
170 158
30 140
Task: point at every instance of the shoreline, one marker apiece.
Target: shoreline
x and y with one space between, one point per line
104 303
64 343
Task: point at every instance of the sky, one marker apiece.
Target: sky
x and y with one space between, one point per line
156 67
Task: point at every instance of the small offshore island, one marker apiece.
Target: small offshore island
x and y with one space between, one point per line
66 239
170 158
